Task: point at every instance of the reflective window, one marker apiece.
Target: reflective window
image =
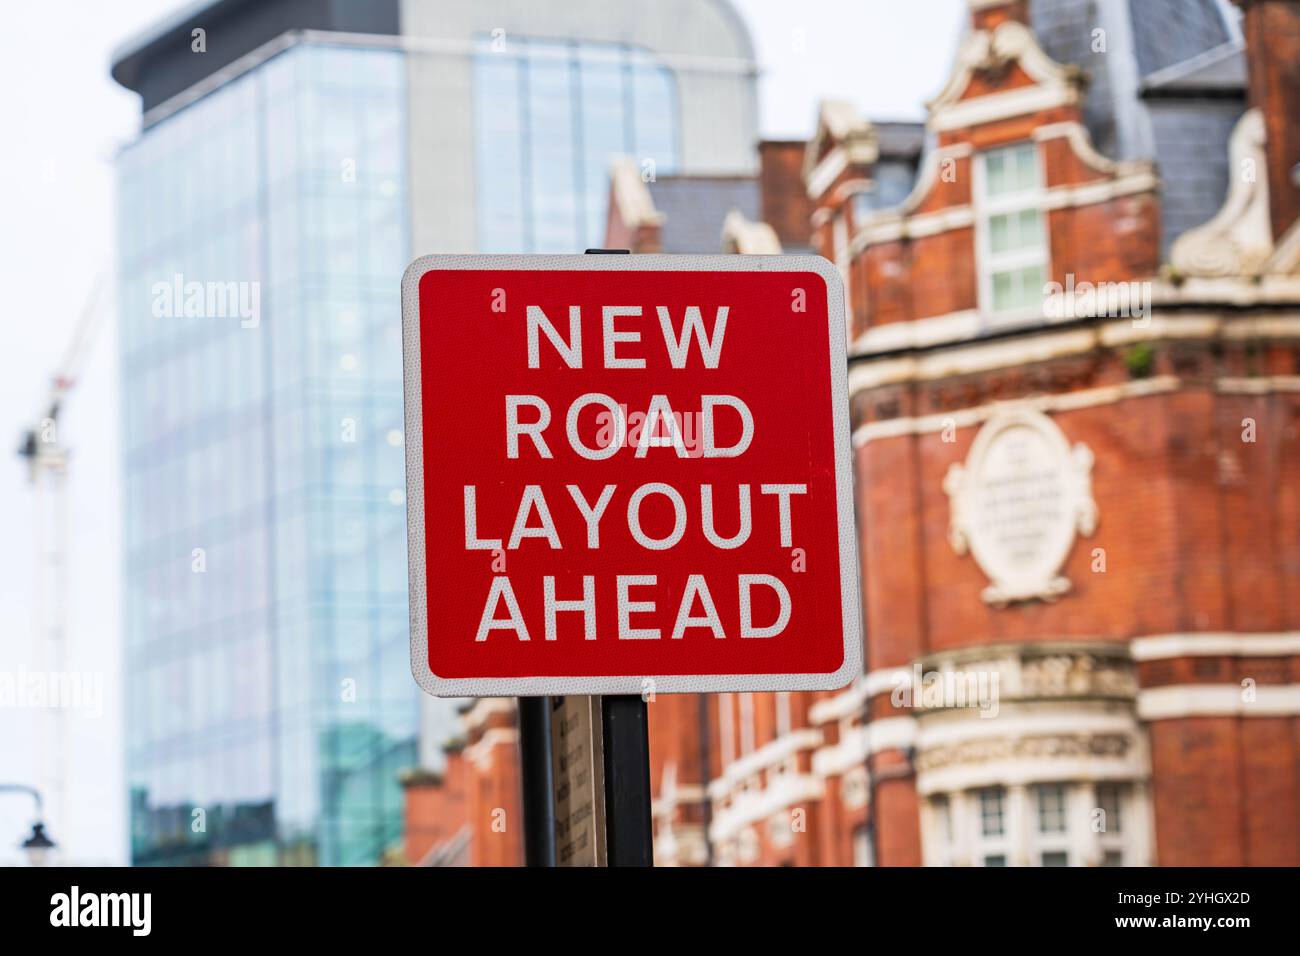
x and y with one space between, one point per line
549 117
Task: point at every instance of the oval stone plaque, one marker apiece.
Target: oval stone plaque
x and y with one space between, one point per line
1018 502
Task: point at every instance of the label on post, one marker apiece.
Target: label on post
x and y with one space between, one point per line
628 475
577 759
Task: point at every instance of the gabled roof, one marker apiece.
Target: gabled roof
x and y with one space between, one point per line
839 124
1010 43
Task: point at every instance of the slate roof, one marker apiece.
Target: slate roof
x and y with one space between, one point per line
694 208
1168 85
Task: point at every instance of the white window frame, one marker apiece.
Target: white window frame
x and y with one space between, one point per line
956 838
1052 841
986 845
1112 841
986 207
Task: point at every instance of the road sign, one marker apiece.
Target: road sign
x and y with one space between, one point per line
628 475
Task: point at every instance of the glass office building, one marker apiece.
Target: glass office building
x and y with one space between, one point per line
280 184
270 702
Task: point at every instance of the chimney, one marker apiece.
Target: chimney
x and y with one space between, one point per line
1272 32
990 14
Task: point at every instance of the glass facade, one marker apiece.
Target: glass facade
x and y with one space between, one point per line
263 231
549 115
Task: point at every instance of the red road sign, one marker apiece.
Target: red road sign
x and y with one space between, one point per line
628 473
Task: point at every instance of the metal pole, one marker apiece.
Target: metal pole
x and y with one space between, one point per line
536 772
626 733
537 777
625 727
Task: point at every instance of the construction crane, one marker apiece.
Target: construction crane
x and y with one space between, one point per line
47 464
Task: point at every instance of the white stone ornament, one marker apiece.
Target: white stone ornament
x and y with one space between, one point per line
1017 503
1239 239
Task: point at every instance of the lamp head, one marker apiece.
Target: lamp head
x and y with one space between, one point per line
38 846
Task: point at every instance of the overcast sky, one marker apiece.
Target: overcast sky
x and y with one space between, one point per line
63 120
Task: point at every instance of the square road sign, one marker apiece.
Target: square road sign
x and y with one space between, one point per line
628 473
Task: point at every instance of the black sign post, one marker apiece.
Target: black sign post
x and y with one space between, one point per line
537 780
626 738
625 727
626 732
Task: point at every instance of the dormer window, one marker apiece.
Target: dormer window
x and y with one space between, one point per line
1011 231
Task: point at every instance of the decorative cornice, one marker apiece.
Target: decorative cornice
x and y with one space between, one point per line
1218 700
854 143
1219 644
971 417
984 50
1045 343
1046 746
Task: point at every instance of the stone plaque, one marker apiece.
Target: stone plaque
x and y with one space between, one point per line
1017 503
577 750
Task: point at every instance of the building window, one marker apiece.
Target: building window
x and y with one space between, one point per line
1051 839
1107 822
991 807
1011 231
991 845
1045 824
1108 803
1051 808
549 116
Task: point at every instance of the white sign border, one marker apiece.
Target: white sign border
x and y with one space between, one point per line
613 684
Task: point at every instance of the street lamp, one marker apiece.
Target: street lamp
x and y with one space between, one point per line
38 846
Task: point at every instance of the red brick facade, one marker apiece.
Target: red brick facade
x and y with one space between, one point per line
1081 511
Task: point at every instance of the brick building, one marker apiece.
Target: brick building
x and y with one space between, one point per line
1074 325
